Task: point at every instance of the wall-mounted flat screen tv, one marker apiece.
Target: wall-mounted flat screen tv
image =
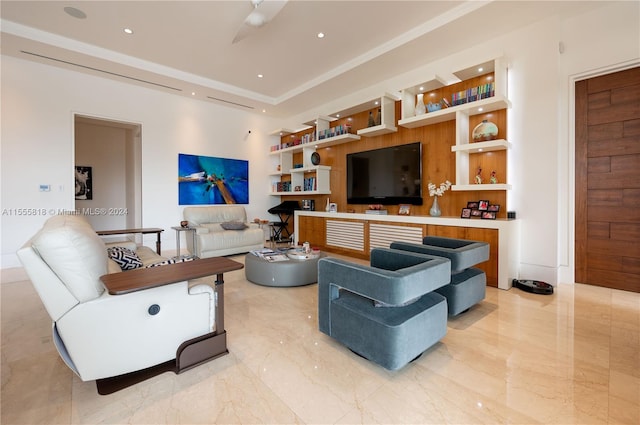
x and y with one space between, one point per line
387 176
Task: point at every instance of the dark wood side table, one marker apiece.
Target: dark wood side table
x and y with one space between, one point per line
144 231
193 352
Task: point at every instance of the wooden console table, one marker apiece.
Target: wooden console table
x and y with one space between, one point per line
354 234
144 231
193 352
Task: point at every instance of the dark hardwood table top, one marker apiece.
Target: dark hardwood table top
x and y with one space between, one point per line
145 278
125 231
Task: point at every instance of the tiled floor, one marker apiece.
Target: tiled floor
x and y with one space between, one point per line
573 357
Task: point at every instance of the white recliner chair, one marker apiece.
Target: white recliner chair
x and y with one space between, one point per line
111 338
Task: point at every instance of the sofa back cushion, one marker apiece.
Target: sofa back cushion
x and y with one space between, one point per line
75 253
197 216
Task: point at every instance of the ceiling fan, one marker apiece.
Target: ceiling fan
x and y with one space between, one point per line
263 11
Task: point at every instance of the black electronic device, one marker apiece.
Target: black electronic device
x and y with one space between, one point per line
533 286
387 176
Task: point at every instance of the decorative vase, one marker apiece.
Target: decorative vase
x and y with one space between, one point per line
420 107
379 117
435 208
372 121
327 207
486 130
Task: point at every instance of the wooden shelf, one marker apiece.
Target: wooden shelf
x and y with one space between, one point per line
491 104
470 187
301 192
479 147
377 130
314 168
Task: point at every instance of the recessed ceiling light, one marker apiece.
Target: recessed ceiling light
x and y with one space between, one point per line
480 109
376 102
480 150
337 115
260 75
480 69
320 35
76 13
264 110
193 93
421 88
128 30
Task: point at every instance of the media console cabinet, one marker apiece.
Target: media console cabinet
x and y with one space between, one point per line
356 235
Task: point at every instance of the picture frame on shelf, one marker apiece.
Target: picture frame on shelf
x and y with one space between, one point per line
494 208
488 215
476 213
466 213
333 207
483 205
472 205
405 209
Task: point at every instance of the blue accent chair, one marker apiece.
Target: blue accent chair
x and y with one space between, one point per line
468 284
386 312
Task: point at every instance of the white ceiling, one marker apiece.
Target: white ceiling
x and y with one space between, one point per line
186 47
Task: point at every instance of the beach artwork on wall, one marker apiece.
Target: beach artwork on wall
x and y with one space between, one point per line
206 180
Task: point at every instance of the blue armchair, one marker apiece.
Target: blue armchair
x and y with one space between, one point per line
468 284
387 311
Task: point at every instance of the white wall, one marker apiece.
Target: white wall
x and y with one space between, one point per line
37 145
36 130
540 121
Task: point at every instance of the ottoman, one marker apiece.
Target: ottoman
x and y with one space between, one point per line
292 272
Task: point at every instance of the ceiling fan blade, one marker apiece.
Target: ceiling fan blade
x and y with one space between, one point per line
263 11
270 8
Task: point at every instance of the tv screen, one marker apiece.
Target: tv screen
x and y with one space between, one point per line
386 176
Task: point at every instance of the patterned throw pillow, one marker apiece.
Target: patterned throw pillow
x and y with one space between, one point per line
171 261
124 257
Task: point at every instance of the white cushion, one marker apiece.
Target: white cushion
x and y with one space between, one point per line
75 253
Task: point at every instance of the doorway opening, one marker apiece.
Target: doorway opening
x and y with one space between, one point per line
108 172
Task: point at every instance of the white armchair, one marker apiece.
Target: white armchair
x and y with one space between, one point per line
110 338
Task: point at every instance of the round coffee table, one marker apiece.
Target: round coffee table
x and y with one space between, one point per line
291 272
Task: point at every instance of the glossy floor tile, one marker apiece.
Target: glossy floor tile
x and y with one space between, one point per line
569 358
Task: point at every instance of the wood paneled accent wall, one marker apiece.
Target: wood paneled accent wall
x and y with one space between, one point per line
438 163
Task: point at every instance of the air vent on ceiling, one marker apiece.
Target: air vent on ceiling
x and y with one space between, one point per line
99 70
230 102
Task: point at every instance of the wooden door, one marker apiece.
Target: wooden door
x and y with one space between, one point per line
607 245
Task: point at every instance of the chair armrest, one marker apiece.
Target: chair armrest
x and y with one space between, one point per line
200 230
387 286
145 278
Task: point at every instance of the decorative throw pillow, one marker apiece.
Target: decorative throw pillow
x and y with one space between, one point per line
171 261
233 225
124 257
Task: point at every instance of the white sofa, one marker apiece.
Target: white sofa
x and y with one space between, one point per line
99 335
213 240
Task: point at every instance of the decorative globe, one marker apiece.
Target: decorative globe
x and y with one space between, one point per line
486 130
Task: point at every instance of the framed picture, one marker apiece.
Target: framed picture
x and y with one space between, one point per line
466 213
483 205
84 183
333 207
476 213
494 208
489 215
472 205
208 180
404 209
